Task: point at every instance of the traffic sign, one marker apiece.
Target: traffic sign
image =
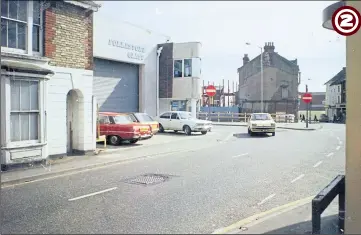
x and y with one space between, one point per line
307 98
346 20
211 90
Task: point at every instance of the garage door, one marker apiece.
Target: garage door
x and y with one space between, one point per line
116 86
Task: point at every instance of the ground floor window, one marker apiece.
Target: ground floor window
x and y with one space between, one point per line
24 115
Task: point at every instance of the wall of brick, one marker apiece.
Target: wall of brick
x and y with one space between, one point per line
68 38
166 71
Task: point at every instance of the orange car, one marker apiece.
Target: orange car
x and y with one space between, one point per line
145 119
119 127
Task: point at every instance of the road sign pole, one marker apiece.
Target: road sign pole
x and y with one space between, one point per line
307 107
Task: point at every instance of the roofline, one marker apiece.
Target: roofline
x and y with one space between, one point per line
89 5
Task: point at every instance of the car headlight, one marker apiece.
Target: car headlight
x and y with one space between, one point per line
254 125
273 124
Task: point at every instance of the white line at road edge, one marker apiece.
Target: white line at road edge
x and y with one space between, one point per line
266 199
330 154
338 147
297 178
92 194
317 164
240 155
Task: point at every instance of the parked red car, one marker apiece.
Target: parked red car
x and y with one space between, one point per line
119 127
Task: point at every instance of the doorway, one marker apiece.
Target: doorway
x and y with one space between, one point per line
74 119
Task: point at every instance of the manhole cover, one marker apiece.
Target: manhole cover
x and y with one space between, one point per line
148 179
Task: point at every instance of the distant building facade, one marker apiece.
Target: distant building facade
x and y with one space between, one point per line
281 78
336 94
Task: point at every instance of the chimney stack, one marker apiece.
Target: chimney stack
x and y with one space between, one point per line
269 47
245 59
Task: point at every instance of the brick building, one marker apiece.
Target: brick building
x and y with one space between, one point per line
280 83
46 79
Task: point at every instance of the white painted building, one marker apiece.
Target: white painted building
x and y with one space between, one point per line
180 77
125 66
333 95
46 80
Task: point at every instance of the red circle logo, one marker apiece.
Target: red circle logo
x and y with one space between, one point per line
346 20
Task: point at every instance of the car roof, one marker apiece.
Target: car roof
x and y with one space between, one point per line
113 113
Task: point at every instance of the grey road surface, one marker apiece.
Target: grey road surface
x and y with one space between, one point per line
219 181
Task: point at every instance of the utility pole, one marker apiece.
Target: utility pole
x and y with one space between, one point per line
261 79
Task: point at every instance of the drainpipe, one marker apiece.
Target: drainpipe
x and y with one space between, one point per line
159 51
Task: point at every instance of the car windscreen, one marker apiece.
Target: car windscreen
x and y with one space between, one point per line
185 115
122 119
142 117
261 117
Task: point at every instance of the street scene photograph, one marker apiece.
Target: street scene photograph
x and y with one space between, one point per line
180 117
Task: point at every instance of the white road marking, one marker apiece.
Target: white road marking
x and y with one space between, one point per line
297 178
330 154
317 164
338 147
338 138
340 142
266 199
240 155
92 194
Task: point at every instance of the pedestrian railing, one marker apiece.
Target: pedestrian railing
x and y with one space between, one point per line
323 200
239 117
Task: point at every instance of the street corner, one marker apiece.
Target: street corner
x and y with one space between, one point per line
245 225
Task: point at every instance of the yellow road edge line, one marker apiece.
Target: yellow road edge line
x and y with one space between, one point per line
255 217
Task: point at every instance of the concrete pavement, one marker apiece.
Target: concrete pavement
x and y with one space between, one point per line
290 126
213 185
296 220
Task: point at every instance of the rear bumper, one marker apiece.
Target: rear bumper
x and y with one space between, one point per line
146 136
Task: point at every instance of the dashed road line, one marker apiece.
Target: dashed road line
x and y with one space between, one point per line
338 147
340 142
266 199
297 178
330 154
240 155
317 164
92 194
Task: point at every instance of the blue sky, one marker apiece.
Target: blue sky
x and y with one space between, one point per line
223 28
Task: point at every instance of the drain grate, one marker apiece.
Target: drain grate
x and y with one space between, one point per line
147 179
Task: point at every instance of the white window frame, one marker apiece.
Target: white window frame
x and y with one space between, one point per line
5 79
29 30
174 60
185 67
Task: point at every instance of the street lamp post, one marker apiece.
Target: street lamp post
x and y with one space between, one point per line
247 43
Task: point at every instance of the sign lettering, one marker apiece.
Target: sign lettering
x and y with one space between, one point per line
135 51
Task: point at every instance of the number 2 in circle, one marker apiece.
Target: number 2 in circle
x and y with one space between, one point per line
346 20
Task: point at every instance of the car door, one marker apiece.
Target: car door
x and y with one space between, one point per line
175 122
164 120
103 125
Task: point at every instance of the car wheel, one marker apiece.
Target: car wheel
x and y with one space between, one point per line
273 133
204 132
187 130
175 131
114 140
161 128
134 141
249 131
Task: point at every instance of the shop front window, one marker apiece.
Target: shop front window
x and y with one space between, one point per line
24 116
178 68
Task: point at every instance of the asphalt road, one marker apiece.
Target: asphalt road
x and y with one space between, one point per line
219 181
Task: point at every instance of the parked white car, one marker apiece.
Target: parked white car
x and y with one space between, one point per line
261 123
182 121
